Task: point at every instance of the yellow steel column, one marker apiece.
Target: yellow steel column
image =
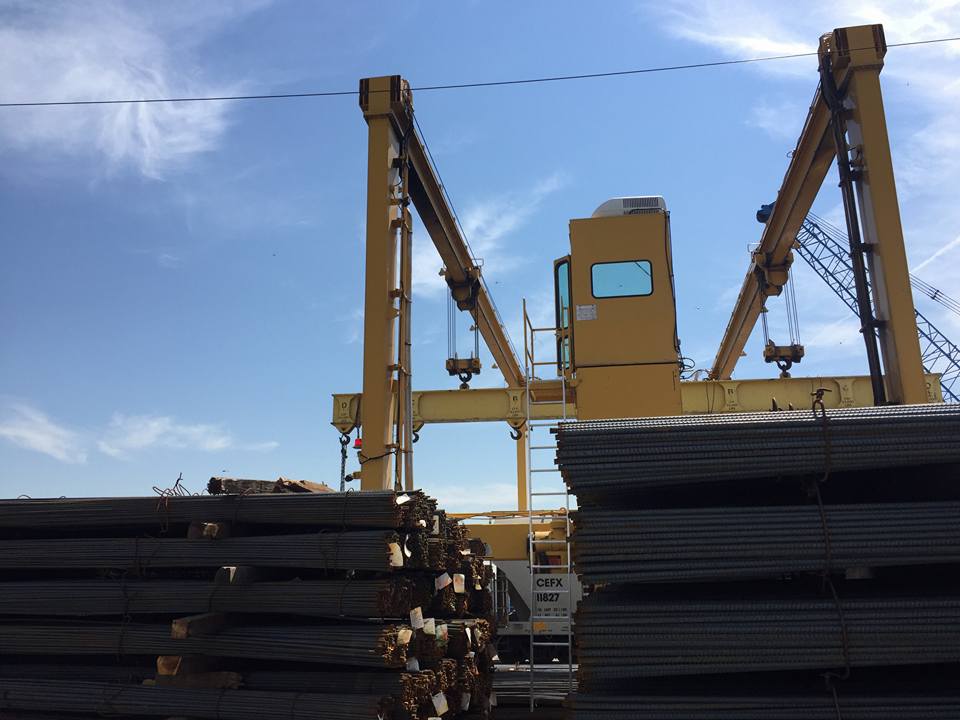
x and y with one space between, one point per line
380 282
522 470
863 47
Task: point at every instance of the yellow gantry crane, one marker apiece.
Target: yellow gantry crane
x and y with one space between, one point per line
618 354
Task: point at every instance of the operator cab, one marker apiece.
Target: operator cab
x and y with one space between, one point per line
616 311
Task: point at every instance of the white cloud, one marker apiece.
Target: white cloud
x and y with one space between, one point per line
465 498
69 51
939 252
129 433
781 120
29 428
267 446
486 223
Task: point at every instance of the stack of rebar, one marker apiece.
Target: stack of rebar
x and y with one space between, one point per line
769 550
745 706
717 543
623 636
326 605
606 459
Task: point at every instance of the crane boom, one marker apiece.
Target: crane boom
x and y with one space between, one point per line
399 171
462 273
847 120
768 268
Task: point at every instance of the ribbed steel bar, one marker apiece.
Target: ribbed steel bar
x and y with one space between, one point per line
110 699
611 458
375 509
389 597
621 635
350 550
699 544
345 643
765 706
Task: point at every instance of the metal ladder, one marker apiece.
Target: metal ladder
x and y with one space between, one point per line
541 450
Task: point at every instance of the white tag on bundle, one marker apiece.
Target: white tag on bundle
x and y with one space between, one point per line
401 499
442 581
416 618
406 550
413 665
440 703
430 626
404 635
436 524
469 635
421 523
465 552
396 555
442 634
465 701
459 584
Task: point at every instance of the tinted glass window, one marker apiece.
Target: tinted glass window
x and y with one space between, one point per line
563 295
622 279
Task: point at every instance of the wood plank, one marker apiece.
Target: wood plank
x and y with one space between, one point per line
195 625
217 680
185 664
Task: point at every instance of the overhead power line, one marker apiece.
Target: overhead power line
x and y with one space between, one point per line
454 86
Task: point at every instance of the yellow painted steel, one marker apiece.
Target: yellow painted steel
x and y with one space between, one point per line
624 347
378 97
857 59
522 440
856 56
707 396
506 533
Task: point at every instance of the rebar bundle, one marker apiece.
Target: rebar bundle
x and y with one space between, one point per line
775 611
626 635
345 643
761 706
368 509
512 685
350 550
297 606
138 700
721 543
613 458
389 597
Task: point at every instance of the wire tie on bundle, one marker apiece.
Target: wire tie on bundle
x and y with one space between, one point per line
163 505
844 634
825 424
236 508
343 589
828 679
323 552
219 700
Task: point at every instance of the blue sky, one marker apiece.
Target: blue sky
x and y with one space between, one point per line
181 285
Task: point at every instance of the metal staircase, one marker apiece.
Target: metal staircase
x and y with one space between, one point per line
825 249
548 582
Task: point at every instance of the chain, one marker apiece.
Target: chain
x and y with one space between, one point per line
344 441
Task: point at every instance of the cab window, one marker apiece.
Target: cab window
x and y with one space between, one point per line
629 278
